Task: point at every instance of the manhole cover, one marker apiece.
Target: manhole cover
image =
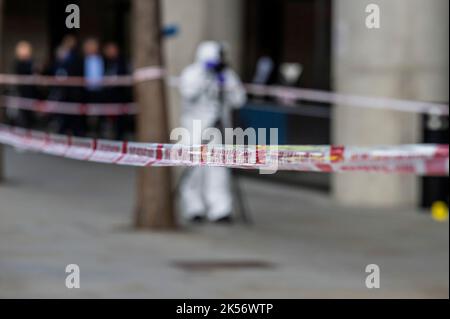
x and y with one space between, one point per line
212 265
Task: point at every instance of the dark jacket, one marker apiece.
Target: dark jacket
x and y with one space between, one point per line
119 94
25 68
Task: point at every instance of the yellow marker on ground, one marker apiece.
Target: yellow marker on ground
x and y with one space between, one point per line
439 211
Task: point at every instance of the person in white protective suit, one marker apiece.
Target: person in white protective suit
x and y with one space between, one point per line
209 89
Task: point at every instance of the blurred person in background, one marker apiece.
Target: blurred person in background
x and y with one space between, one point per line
66 64
93 67
115 65
209 87
24 65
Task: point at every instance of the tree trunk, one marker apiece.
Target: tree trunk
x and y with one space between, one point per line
1 70
154 201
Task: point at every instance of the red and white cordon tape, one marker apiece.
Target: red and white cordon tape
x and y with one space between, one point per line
430 160
73 108
154 72
292 94
69 108
140 75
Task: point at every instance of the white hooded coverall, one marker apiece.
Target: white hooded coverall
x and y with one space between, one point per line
206 190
